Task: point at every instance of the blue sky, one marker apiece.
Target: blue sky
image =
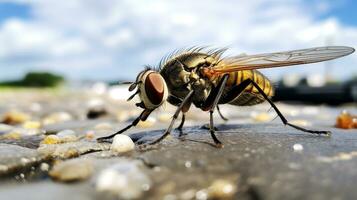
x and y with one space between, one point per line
108 40
343 10
9 10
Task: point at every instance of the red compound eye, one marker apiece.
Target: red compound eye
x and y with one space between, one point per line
154 88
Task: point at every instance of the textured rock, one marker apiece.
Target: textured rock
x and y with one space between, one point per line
15 117
14 158
72 170
72 149
124 180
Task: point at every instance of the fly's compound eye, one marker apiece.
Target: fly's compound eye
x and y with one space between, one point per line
153 89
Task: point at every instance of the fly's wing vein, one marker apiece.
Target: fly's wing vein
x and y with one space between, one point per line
281 59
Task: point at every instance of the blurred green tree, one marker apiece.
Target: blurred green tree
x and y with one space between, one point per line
36 79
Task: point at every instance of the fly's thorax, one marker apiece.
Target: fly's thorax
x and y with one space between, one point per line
181 69
153 89
196 60
183 74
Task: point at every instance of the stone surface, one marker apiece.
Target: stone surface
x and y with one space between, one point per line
72 170
124 180
15 158
71 149
258 161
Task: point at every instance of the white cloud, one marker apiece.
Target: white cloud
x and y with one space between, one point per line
114 39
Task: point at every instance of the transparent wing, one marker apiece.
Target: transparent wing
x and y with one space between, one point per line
280 59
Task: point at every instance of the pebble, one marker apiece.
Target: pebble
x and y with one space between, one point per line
13 135
222 189
122 116
103 126
298 147
3 168
149 122
44 167
262 117
122 143
15 117
66 132
124 180
202 194
165 117
5 128
18 133
90 135
67 135
95 113
188 164
51 139
57 117
61 137
346 121
32 125
95 103
188 195
35 107
300 122
72 170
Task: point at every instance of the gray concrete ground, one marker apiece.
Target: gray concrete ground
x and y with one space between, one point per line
261 158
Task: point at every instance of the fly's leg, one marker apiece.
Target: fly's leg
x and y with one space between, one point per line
183 106
283 119
211 103
177 101
179 128
220 114
143 116
229 96
206 126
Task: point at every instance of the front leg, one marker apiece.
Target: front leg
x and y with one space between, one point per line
211 103
143 116
183 106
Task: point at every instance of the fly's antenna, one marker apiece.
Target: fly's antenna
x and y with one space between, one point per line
133 95
125 82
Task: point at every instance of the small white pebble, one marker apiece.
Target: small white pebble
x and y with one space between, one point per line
66 132
25 161
202 194
298 147
344 156
188 164
3 168
122 143
44 167
146 187
222 189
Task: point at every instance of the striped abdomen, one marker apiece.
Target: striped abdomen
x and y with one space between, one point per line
250 96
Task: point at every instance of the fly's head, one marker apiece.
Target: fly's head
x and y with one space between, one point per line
151 88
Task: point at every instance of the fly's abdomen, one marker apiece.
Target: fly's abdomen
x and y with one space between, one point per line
250 96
